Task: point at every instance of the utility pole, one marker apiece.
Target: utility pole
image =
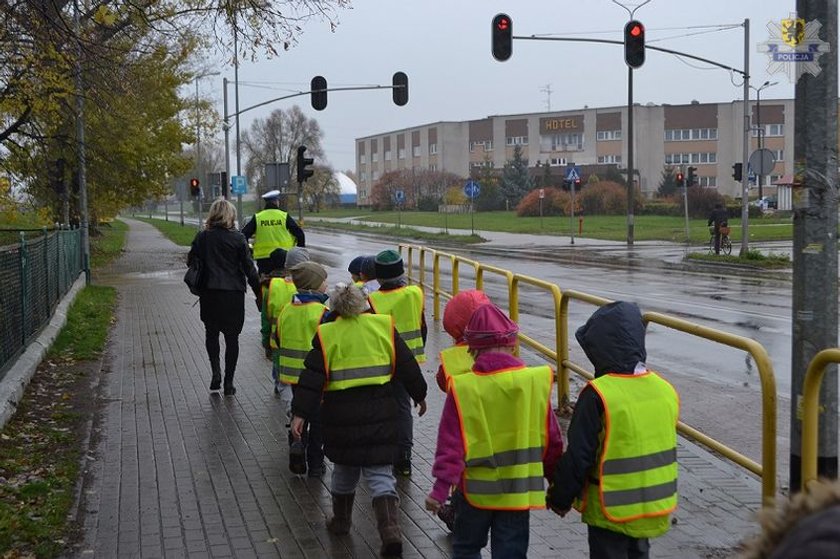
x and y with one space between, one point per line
745 142
236 106
815 237
631 192
80 141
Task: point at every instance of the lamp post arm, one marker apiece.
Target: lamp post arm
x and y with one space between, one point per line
300 93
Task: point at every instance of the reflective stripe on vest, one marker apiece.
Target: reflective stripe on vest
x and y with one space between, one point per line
296 328
271 232
280 293
358 351
637 471
456 360
405 304
504 451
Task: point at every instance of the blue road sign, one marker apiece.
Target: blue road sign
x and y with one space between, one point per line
472 189
572 173
238 184
399 196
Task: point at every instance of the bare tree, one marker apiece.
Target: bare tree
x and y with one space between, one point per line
276 138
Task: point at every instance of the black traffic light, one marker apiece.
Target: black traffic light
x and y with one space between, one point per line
400 89
680 178
634 44
302 163
502 34
318 91
195 187
692 176
737 172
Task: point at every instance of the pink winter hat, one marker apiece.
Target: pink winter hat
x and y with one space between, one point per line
460 309
490 327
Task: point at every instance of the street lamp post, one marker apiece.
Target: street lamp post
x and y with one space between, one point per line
758 125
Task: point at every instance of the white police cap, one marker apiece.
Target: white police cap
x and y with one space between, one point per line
271 194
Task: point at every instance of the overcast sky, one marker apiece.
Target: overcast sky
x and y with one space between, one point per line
444 47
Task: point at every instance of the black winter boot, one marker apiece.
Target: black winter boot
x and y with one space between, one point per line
387 510
216 379
229 389
342 513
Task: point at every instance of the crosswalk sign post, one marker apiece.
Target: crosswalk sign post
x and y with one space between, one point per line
471 190
399 199
572 176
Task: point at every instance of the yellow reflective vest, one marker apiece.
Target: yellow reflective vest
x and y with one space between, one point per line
636 474
456 360
358 351
504 421
280 293
271 233
296 327
405 304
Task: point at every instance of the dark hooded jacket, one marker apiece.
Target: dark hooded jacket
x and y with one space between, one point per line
614 341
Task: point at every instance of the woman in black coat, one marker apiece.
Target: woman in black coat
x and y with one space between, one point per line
227 264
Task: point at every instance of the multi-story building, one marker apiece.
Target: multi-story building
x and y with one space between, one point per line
708 136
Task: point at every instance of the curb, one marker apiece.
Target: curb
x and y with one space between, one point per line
18 376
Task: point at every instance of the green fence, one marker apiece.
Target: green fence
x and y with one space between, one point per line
35 273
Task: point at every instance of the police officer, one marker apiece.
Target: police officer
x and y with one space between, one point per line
272 228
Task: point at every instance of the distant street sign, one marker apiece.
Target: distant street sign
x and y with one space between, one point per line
399 197
762 161
542 193
238 184
572 173
472 189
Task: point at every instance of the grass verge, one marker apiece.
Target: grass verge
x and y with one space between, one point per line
40 447
401 232
752 258
108 245
181 235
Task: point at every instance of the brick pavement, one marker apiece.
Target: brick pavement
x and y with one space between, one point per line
176 471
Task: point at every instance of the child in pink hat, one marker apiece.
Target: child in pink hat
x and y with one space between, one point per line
498 439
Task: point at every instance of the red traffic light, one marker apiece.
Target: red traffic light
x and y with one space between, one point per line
502 37
634 44
636 30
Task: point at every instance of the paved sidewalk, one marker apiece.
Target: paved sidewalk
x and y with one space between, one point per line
176 471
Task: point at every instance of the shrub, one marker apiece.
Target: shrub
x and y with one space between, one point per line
556 202
608 198
663 206
701 201
428 203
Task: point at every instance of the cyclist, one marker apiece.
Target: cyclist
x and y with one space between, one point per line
719 218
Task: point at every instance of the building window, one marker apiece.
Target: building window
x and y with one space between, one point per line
363 176
401 153
517 140
556 161
609 159
362 159
775 129
779 154
433 167
375 156
415 151
572 141
432 149
480 164
375 176
686 134
486 144
685 158
707 182
387 155
603 135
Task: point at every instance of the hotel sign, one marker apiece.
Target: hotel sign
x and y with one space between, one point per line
561 124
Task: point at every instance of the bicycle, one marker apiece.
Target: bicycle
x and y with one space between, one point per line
725 241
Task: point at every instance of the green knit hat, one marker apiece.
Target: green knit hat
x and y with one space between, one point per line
389 264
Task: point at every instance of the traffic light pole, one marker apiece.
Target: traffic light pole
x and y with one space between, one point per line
745 142
630 190
814 307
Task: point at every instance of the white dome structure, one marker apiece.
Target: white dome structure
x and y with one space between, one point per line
345 183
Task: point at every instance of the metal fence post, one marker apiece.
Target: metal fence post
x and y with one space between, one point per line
23 294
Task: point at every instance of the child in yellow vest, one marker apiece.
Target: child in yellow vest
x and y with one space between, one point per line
296 326
397 298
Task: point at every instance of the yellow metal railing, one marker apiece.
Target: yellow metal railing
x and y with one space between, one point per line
811 411
766 470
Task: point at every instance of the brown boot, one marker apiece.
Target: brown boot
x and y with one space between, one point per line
342 513
387 510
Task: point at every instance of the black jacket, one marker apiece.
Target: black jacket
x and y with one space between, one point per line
360 424
718 217
292 226
614 341
227 260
